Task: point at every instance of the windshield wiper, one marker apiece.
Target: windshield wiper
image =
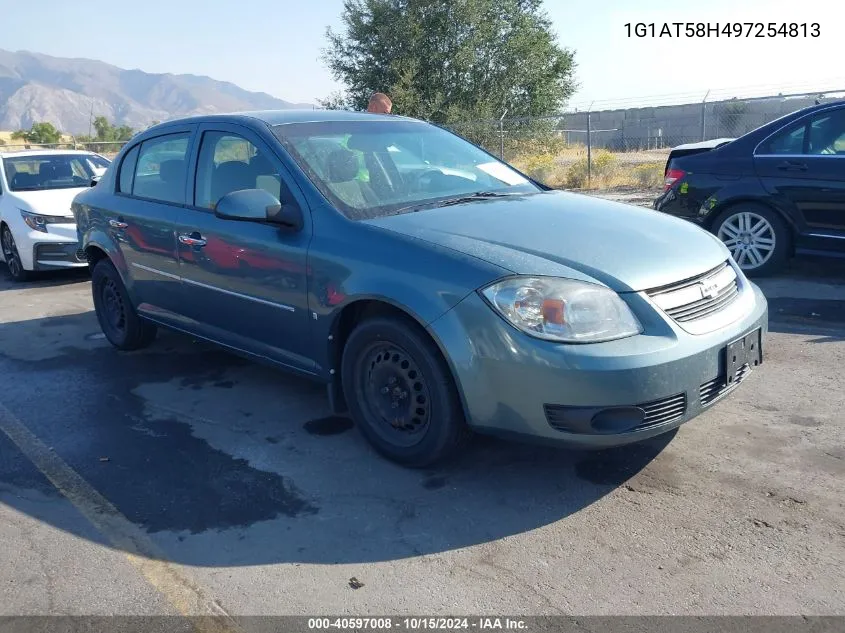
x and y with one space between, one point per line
474 197
471 197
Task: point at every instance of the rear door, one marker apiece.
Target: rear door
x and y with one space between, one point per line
803 167
245 281
151 189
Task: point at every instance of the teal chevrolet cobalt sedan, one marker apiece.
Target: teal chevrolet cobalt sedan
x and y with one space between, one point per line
434 289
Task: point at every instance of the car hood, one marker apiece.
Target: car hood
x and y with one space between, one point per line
54 202
624 247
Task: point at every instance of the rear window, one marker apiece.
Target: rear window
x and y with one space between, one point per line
160 173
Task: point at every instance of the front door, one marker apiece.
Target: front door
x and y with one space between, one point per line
245 281
804 167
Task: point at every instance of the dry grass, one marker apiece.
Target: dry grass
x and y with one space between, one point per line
566 167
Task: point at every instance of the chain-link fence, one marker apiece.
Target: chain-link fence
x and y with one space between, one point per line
109 149
593 148
624 146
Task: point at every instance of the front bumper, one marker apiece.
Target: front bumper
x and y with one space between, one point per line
515 385
52 255
57 248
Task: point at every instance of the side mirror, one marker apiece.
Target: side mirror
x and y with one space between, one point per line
258 205
95 180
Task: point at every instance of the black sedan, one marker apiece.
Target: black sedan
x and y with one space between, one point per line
773 193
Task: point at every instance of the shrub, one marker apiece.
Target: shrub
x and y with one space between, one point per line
648 174
603 164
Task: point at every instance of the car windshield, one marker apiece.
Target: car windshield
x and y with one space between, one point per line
51 171
370 169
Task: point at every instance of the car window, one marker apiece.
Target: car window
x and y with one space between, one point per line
127 170
827 134
161 169
789 142
46 171
228 162
372 169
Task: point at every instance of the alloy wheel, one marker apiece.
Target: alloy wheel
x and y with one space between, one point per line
10 254
749 237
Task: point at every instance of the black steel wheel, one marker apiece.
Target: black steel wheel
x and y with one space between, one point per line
117 316
400 392
396 393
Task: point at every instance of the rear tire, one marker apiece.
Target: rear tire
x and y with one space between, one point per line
757 236
117 316
401 394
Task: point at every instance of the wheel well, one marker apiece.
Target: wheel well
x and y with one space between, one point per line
350 316
94 254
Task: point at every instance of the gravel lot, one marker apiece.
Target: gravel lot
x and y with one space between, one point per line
182 479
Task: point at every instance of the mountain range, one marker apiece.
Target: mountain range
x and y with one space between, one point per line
63 91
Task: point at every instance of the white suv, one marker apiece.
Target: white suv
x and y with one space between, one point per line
37 228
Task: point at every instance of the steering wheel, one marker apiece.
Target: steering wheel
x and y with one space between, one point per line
416 179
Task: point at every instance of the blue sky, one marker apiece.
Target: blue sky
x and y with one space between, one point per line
274 45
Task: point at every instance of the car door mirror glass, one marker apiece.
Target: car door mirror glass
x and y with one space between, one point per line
257 205
95 179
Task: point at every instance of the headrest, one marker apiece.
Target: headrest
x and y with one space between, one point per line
341 166
62 170
172 170
261 165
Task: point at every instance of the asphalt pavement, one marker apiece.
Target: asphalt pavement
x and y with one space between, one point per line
182 479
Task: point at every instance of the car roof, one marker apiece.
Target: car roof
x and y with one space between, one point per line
46 152
282 117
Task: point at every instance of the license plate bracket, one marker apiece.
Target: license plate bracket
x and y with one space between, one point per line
746 350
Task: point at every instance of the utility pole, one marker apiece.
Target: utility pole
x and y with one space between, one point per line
502 135
91 118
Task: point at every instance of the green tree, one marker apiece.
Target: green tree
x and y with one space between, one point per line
450 60
108 133
42 133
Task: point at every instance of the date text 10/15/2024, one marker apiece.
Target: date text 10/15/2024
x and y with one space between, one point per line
418 624
723 29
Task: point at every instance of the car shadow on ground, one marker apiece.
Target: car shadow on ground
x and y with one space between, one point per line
227 463
43 279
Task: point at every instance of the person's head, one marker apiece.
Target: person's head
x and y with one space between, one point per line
380 103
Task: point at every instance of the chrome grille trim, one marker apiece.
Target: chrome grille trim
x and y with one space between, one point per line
699 297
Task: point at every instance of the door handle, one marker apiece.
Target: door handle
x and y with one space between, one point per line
192 239
789 165
118 224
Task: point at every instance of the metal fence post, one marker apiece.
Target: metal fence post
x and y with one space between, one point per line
589 149
704 116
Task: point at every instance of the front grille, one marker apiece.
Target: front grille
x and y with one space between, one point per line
664 410
698 297
717 388
580 419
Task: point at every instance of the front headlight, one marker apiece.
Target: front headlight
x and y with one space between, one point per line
39 222
562 309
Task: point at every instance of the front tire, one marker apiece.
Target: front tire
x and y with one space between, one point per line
401 394
756 236
117 316
12 257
